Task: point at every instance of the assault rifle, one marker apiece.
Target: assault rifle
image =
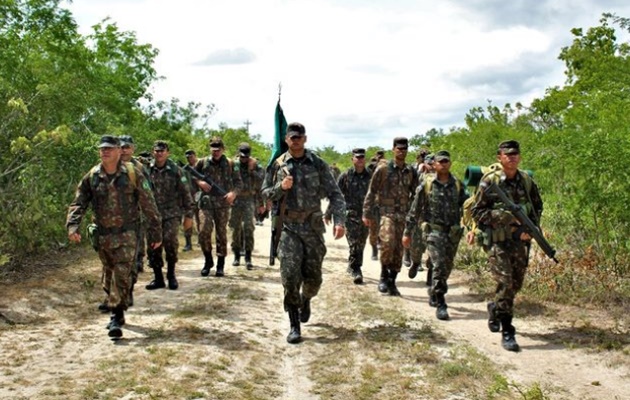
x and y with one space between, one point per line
529 225
215 190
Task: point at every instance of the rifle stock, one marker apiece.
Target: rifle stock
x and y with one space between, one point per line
215 190
520 215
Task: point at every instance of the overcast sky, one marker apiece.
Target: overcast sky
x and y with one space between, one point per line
354 72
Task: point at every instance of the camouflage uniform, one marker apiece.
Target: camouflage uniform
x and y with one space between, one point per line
242 215
141 233
354 186
117 204
507 254
391 190
373 228
302 248
215 210
437 206
172 195
193 193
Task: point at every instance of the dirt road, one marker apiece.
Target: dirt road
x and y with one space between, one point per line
224 338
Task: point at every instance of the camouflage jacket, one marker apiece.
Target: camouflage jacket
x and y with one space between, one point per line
391 190
436 203
225 174
354 187
252 182
171 190
312 182
116 202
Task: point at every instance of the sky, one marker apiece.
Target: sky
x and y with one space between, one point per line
356 73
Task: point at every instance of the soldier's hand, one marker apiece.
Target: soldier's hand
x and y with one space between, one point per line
205 186
339 231
287 183
525 237
188 223
74 237
262 209
155 245
252 164
230 197
366 222
470 238
406 241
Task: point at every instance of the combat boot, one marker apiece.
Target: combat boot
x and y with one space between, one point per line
237 258
103 307
188 246
382 283
406 258
494 324
413 271
208 263
441 313
374 253
248 260
220 265
139 265
305 310
357 276
121 321
158 282
170 277
117 321
392 290
508 341
294 336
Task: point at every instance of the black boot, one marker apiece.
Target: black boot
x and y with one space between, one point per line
357 275
432 298
103 307
441 312
294 336
220 265
188 246
305 311
413 271
508 341
494 324
208 264
158 282
170 277
406 258
382 283
248 260
392 290
139 265
237 258
115 324
374 253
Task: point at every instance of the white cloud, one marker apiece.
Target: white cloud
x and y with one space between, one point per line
354 72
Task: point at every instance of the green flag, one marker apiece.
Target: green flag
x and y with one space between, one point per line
279 145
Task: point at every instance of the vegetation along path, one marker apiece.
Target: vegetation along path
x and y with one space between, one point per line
224 338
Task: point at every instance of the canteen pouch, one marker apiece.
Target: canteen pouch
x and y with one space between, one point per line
92 233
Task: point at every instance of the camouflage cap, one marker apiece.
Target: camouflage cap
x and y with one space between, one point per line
401 142
160 145
442 155
358 152
296 129
509 147
108 141
216 142
244 150
429 158
380 153
190 152
125 140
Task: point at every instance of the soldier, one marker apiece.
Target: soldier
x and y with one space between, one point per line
353 184
334 169
437 206
215 210
191 159
172 195
248 202
418 246
118 192
298 180
391 190
378 158
505 243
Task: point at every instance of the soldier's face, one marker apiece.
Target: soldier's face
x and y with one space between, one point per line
296 142
109 154
192 159
400 153
126 152
216 152
160 155
509 161
358 161
442 166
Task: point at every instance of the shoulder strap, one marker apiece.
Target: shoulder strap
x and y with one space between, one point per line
428 184
131 172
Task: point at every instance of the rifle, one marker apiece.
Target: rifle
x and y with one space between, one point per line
215 190
529 225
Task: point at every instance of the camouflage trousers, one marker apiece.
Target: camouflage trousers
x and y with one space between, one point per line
418 246
442 252
209 220
117 253
189 232
170 244
356 234
508 265
141 246
242 225
373 229
301 251
390 234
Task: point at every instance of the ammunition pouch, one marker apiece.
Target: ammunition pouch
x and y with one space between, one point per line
202 200
92 233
